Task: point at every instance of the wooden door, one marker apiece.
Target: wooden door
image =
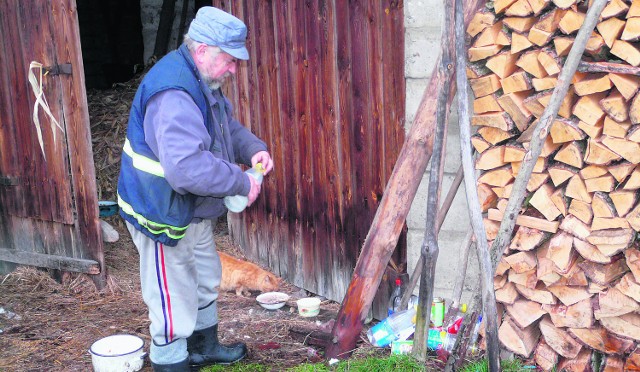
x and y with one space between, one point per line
48 210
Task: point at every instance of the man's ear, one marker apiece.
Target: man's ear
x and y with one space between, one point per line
199 53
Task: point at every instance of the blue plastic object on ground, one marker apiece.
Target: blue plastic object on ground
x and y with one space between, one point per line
107 208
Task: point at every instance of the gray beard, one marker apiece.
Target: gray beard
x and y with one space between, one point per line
214 84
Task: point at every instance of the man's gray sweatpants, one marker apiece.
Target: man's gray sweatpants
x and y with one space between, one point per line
180 288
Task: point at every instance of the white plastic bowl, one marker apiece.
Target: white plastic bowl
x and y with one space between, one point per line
117 353
272 300
309 306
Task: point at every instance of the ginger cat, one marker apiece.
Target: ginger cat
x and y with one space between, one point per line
242 276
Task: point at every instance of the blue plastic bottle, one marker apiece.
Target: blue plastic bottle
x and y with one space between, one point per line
388 330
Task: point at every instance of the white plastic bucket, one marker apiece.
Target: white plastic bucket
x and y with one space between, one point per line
118 353
309 306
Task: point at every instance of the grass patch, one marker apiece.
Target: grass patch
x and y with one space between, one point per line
482 365
394 363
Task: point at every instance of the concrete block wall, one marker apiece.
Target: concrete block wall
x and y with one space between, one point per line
423 22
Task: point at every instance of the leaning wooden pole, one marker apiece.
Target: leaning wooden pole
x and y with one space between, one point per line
430 249
392 212
490 314
442 214
542 130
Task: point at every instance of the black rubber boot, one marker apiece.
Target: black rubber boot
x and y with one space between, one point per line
205 350
175 367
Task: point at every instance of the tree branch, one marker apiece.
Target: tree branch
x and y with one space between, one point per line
486 272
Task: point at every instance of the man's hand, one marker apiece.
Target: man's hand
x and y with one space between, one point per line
264 158
254 191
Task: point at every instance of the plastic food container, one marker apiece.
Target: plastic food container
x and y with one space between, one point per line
308 306
272 300
117 353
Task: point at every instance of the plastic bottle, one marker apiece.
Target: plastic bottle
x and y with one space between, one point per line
390 329
472 349
448 340
434 339
396 298
454 326
237 203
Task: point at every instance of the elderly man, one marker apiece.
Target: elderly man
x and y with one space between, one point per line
178 163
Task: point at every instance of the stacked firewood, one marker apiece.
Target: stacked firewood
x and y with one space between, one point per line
568 283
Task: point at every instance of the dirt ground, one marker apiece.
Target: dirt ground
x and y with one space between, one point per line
49 325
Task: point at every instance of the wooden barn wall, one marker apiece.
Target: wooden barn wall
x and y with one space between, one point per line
47 201
325 89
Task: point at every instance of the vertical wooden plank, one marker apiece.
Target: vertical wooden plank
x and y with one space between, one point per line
348 214
76 115
314 130
254 118
393 81
276 187
265 60
283 154
17 85
8 155
391 36
329 108
376 133
305 144
298 225
361 90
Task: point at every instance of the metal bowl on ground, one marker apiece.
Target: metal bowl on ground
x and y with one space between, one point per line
272 300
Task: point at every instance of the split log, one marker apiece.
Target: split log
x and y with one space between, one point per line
614 303
612 364
581 363
632 259
633 361
560 341
627 325
590 252
600 339
561 252
527 238
604 274
545 357
569 295
629 287
578 315
524 312
518 340
539 294
623 201
507 294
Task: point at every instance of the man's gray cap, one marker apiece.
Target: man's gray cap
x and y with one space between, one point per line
213 26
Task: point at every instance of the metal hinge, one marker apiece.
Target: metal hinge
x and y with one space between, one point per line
64 68
9 181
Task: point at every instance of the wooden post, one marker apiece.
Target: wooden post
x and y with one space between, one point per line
486 271
164 28
542 130
392 212
442 214
430 249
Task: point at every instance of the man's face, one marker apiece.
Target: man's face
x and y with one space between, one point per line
217 67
